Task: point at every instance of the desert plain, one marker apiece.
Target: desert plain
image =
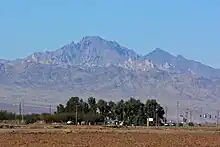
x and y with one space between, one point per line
99 136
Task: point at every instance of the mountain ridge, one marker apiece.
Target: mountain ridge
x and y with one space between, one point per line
88 39
105 69
158 56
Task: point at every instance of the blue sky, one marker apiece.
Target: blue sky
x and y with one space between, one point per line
187 27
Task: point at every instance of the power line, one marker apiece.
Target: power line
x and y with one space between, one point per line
21 109
31 105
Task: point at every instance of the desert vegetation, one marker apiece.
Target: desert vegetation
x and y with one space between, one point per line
94 111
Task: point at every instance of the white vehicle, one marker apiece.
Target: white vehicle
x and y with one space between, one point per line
69 122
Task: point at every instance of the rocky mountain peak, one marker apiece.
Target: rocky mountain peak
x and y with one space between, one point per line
90 51
159 56
93 51
92 39
97 67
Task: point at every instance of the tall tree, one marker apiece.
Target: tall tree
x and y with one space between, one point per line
71 104
112 107
120 110
102 105
154 110
92 105
60 108
85 107
132 110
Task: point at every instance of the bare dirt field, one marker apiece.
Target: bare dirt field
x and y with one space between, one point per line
108 137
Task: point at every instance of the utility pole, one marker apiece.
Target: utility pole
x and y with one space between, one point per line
156 117
190 116
148 116
166 109
22 116
19 112
201 116
76 115
217 118
123 114
50 110
187 115
177 114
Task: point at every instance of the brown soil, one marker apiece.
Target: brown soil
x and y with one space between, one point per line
105 137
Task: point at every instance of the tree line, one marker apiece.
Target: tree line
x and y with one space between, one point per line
94 111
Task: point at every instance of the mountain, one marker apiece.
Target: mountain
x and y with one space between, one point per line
91 51
105 69
181 64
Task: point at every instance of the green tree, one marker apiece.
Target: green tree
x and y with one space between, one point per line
5 115
132 110
60 108
92 105
154 110
102 105
120 110
85 108
142 115
71 104
111 107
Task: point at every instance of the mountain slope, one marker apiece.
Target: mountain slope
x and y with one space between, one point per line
104 69
181 64
91 51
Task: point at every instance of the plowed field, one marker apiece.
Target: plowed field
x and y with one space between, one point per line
102 137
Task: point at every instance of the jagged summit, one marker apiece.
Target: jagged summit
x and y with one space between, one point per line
159 50
90 51
92 38
105 69
159 53
161 58
95 51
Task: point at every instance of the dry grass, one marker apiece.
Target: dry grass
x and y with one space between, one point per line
108 137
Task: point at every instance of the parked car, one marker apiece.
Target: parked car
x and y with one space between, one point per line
69 122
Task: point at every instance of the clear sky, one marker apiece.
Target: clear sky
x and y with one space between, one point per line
187 27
